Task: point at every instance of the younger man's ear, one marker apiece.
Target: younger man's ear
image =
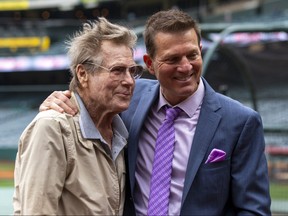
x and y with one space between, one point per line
149 64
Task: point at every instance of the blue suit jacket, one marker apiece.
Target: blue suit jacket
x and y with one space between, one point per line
236 186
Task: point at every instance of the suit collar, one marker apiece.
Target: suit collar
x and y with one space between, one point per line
145 103
206 127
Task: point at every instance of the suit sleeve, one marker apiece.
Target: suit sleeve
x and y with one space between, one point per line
250 183
40 169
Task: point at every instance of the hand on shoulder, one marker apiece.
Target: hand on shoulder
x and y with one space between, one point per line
60 102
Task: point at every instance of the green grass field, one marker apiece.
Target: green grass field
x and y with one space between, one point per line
6 183
6 173
6 165
279 191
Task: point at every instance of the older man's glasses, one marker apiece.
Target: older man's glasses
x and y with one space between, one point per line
117 72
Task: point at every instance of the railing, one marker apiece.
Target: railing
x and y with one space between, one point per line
226 29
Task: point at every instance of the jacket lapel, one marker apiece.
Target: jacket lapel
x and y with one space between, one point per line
142 110
206 127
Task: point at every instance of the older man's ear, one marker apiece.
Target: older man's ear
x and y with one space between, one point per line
82 75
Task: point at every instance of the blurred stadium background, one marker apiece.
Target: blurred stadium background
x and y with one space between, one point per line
245 57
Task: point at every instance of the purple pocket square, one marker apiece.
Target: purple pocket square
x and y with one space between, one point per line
216 155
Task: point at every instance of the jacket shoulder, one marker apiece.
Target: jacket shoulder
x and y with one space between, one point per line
144 84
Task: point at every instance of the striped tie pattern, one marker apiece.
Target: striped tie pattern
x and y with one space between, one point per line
162 165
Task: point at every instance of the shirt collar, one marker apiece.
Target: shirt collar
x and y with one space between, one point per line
190 105
88 129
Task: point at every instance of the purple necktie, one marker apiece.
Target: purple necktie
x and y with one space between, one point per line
162 165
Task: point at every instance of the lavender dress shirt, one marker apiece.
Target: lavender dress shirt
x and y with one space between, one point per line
185 126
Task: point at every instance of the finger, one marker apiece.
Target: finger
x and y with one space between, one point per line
65 96
67 93
65 104
43 108
61 95
59 101
47 106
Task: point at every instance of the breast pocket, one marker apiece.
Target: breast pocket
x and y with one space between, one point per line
215 177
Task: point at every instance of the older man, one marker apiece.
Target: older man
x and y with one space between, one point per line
75 165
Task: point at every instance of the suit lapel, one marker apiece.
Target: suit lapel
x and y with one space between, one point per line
142 110
206 127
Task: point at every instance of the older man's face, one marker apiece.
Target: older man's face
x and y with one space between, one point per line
110 91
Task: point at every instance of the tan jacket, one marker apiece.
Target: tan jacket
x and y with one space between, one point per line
58 172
